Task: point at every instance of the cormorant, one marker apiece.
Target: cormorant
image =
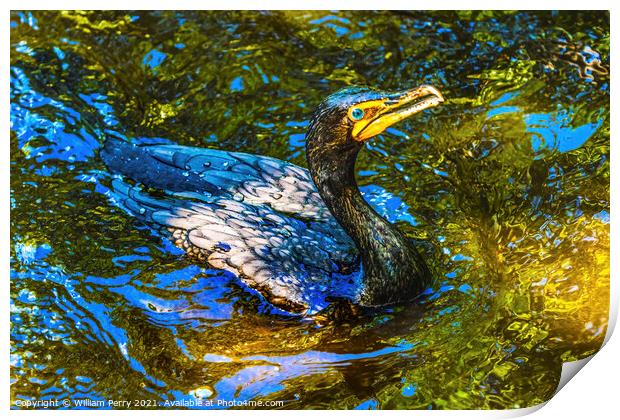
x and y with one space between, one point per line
301 237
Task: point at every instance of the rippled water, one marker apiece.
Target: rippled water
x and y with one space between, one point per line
508 183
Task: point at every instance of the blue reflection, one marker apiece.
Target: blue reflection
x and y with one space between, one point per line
603 216
554 132
297 141
265 379
370 404
431 293
237 84
461 257
28 19
333 22
28 253
551 131
409 390
505 98
63 142
59 53
154 58
465 288
298 124
98 101
392 207
23 48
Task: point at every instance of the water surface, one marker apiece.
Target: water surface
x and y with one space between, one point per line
508 183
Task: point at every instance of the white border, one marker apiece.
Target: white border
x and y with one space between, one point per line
592 395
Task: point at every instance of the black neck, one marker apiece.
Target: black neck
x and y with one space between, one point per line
394 271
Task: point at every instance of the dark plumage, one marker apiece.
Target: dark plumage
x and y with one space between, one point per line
300 237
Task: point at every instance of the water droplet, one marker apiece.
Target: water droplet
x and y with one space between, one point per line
206 164
142 210
276 196
226 165
185 173
238 197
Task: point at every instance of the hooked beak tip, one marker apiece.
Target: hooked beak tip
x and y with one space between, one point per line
424 90
432 90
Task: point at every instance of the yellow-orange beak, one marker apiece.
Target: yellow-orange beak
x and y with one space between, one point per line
383 113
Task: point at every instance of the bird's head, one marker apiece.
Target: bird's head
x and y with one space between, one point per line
349 117
356 114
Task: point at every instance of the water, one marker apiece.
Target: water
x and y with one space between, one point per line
508 183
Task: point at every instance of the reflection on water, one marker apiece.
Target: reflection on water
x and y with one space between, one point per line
507 184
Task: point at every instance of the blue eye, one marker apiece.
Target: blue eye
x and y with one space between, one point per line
357 114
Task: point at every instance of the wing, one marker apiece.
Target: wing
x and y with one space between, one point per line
256 179
296 265
257 217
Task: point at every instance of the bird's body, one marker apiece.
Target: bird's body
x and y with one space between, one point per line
301 237
259 217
